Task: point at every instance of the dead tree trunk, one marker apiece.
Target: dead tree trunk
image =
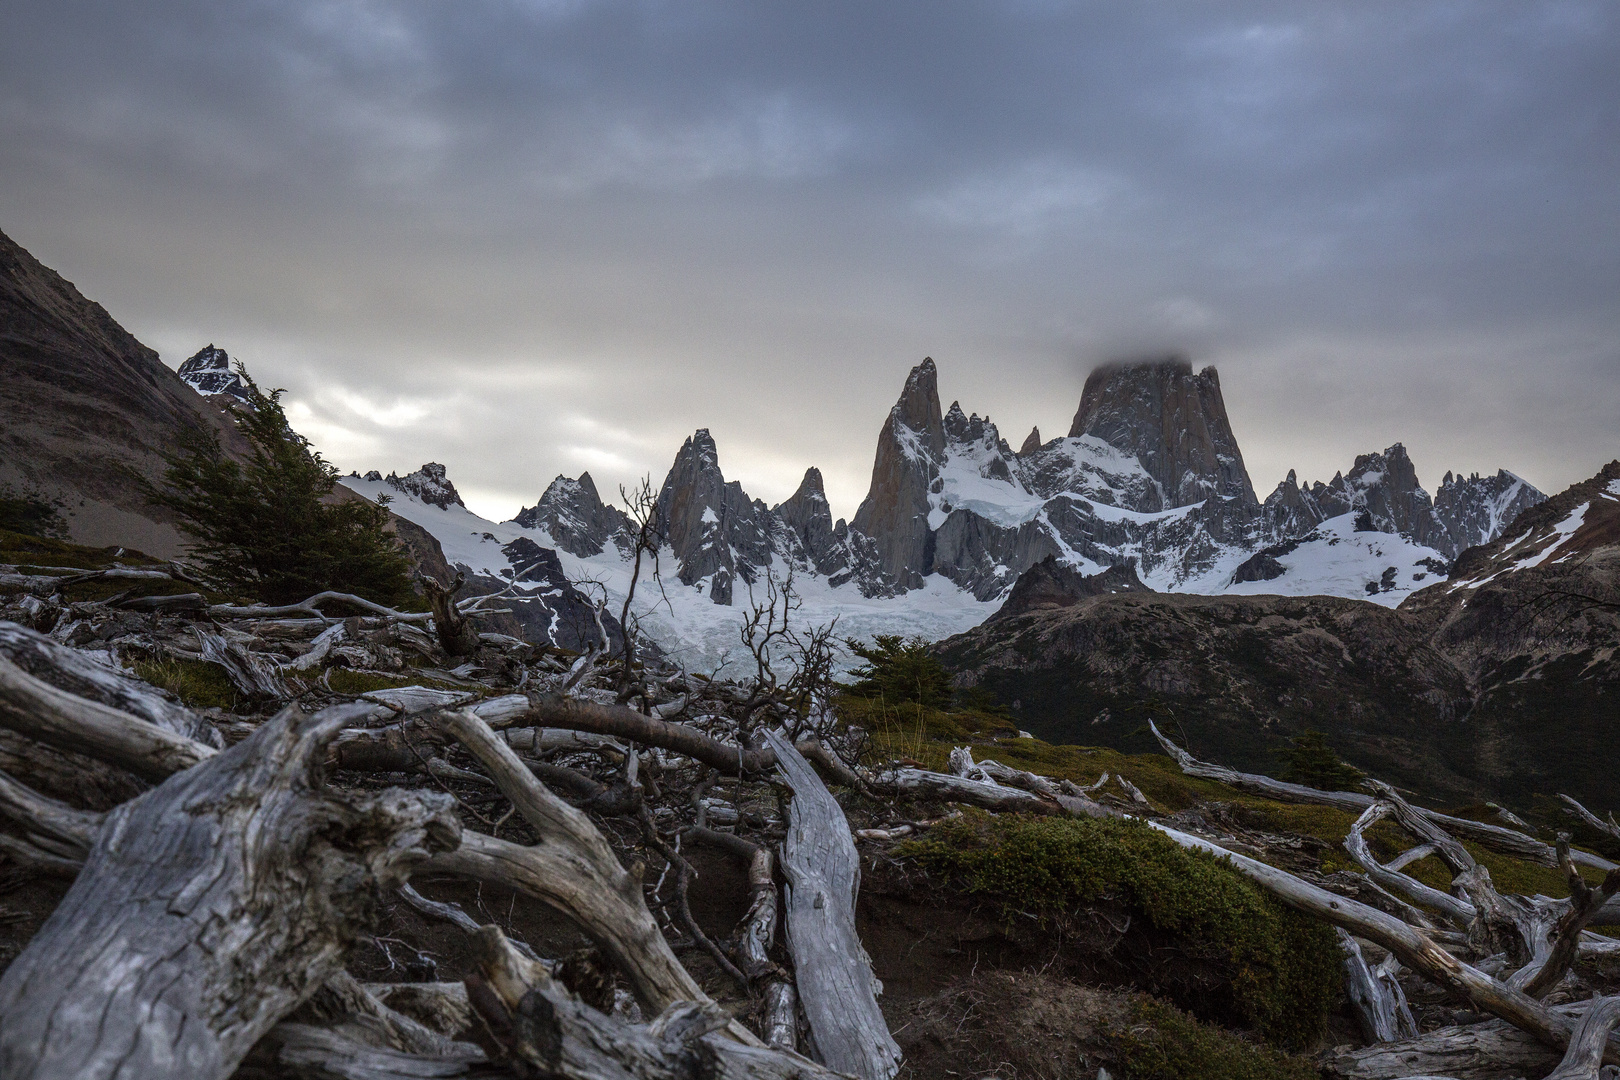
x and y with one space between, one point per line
542 1025
207 908
836 984
456 634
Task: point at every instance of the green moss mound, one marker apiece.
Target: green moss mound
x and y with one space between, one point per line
1284 968
197 683
1165 1043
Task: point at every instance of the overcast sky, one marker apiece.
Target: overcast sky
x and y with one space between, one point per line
530 238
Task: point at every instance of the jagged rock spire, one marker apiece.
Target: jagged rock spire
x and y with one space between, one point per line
1173 421
1032 442
895 512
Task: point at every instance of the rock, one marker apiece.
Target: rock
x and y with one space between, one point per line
717 532
209 373
807 518
575 517
429 484
1051 584
1032 442
896 508
1173 422
1476 510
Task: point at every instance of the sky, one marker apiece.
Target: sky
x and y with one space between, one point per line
532 237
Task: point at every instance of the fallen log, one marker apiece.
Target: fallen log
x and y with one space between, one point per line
572 869
1494 837
1375 996
835 982
44 713
207 909
71 670
548 1029
1486 1051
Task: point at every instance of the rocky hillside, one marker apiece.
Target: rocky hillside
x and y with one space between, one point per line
1487 684
80 401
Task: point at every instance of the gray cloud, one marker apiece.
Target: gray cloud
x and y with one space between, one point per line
526 238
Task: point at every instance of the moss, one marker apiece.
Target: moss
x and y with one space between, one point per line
197 683
1166 1044
1284 967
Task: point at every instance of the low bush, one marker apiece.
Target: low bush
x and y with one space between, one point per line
1283 968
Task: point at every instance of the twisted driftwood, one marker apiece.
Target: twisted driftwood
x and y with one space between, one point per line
836 986
207 909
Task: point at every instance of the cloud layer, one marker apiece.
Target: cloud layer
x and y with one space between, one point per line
526 237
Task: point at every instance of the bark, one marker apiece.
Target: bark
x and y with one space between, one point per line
208 908
60 829
1375 996
1584 904
73 671
572 869
550 1030
44 713
1494 837
835 982
456 634
1459 911
307 1052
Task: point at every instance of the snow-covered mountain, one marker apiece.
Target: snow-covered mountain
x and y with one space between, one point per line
209 372
1150 476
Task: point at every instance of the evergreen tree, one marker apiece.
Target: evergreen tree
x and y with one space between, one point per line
266 527
899 670
1312 762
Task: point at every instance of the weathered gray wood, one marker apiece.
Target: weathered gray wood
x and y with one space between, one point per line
311 607
1495 837
1585 1054
47 714
253 675
1375 996
62 829
907 781
1487 1051
71 670
207 909
307 1052
572 869
834 975
562 1038
1458 910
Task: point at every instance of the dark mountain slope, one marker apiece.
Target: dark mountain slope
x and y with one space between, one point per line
80 397
1502 682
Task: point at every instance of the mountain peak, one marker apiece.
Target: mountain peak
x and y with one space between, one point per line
1173 421
209 373
430 484
1032 442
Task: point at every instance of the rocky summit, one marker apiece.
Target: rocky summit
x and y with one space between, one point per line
209 372
1150 476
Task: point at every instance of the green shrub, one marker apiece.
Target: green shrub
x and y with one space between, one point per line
1284 967
900 670
267 527
1166 1044
30 513
1312 762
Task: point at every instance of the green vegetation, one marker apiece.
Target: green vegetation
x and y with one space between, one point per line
900 670
30 513
1284 967
196 683
268 527
1312 762
1165 1043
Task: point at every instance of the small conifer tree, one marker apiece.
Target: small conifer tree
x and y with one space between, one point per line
1312 762
900 670
265 527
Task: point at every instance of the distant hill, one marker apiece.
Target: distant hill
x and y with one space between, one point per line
1502 681
79 399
